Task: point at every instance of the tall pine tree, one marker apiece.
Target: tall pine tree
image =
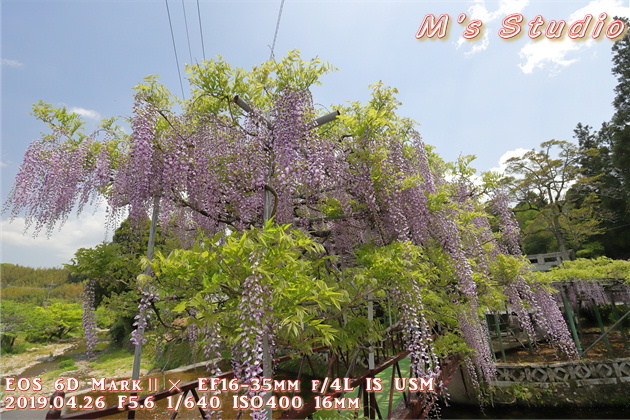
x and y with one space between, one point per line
611 166
620 124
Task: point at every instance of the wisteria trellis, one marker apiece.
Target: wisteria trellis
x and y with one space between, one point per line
370 180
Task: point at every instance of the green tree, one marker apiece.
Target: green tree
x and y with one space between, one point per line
13 317
620 123
613 161
291 272
114 266
607 185
54 321
591 269
542 179
35 285
538 239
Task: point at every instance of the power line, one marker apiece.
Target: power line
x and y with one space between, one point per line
275 35
181 85
203 48
187 35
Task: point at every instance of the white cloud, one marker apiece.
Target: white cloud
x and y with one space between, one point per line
19 247
506 7
478 46
87 113
11 63
508 155
479 11
3 164
553 54
612 7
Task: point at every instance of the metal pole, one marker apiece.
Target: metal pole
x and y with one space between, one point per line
601 327
498 329
327 118
137 356
607 331
569 312
616 314
494 356
624 325
267 361
370 309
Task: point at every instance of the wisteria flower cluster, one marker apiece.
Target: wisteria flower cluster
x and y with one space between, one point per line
89 317
148 296
417 335
255 322
51 180
211 345
542 309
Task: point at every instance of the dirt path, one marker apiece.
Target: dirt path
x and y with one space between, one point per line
113 369
14 364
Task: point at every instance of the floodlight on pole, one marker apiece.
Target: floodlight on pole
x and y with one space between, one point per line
244 105
327 118
318 122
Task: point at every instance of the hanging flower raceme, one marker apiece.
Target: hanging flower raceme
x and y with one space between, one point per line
540 303
447 230
211 345
141 320
89 318
476 337
299 157
476 239
586 292
140 172
549 317
212 348
53 178
255 322
510 231
417 335
514 293
192 334
387 179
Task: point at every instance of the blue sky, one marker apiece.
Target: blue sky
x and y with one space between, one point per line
488 97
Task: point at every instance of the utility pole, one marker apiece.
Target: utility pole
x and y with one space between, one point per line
137 356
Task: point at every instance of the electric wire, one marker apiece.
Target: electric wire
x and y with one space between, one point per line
203 48
181 85
187 35
275 35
